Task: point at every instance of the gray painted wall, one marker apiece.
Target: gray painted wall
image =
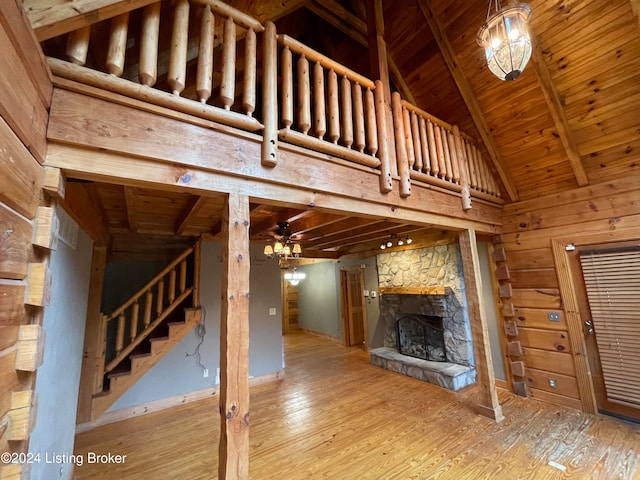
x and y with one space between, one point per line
178 373
319 298
58 378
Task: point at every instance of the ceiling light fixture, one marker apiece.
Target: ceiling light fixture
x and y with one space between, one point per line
294 277
400 241
505 39
284 245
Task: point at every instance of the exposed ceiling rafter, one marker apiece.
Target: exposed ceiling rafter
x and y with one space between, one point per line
468 96
557 113
190 213
131 201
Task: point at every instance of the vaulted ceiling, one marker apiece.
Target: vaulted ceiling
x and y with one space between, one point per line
572 118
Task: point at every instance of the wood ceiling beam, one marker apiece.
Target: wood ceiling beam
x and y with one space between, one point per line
381 228
131 201
314 221
190 213
345 21
341 227
263 227
557 113
469 98
79 204
50 18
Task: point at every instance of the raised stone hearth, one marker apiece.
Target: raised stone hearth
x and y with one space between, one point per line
426 282
445 374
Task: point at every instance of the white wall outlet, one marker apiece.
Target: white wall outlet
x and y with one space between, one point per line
373 294
205 373
365 293
272 311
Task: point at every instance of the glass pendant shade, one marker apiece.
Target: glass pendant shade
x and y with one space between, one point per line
268 250
297 249
506 41
278 248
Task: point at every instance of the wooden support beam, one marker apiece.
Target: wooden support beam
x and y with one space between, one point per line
489 405
233 457
557 113
468 96
89 380
79 205
54 183
131 201
190 213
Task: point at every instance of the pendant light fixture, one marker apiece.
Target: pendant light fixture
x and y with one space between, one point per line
506 40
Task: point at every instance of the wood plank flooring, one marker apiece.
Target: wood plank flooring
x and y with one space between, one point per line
334 416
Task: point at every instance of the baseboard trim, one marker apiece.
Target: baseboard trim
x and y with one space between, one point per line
321 334
169 402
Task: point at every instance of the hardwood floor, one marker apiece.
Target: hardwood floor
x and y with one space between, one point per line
336 417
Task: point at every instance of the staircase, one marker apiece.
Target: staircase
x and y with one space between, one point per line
145 327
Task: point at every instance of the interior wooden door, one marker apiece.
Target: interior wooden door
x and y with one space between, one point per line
354 311
607 282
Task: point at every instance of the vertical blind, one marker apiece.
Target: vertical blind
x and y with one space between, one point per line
612 280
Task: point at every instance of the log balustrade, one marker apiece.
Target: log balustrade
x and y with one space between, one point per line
213 70
132 322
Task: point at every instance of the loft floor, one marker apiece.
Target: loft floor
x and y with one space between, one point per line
334 416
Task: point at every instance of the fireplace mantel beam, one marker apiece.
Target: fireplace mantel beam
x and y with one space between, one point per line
415 290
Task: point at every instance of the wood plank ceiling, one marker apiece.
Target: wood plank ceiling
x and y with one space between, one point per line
571 119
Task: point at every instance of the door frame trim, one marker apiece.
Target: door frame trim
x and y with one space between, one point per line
570 304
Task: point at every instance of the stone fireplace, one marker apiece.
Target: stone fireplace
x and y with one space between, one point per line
425 284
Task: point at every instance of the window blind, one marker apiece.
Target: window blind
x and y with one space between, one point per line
612 280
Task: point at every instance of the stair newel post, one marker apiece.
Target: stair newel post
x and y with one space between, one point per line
183 276
122 319
117 44
171 294
269 151
78 45
148 305
133 326
204 74
179 43
149 35
228 82
160 300
249 82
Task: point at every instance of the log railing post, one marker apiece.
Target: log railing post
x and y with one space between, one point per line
171 292
347 112
78 45
101 354
179 43
334 106
204 78
287 87
426 155
133 325
149 37
417 148
249 80
371 122
464 176
401 151
358 118
160 298
304 95
148 305
269 154
319 109
383 141
120 332
182 285
117 44
407 137
228 82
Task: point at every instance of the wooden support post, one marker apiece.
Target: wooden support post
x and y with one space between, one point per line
403 162
94 348
380 68
489 405
54 183
78 45
45 234
30 348
233 458
384 141
38 285
149 35
269 156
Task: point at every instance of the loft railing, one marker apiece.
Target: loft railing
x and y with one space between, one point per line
432 151
133 321
307 98
333 110
188 74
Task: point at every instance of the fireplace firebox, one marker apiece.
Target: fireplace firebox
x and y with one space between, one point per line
421 336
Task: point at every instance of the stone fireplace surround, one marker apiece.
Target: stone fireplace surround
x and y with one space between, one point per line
426 281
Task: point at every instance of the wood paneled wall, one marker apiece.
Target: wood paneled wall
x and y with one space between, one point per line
538 321
27 228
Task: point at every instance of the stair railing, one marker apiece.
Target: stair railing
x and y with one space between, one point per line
157 299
